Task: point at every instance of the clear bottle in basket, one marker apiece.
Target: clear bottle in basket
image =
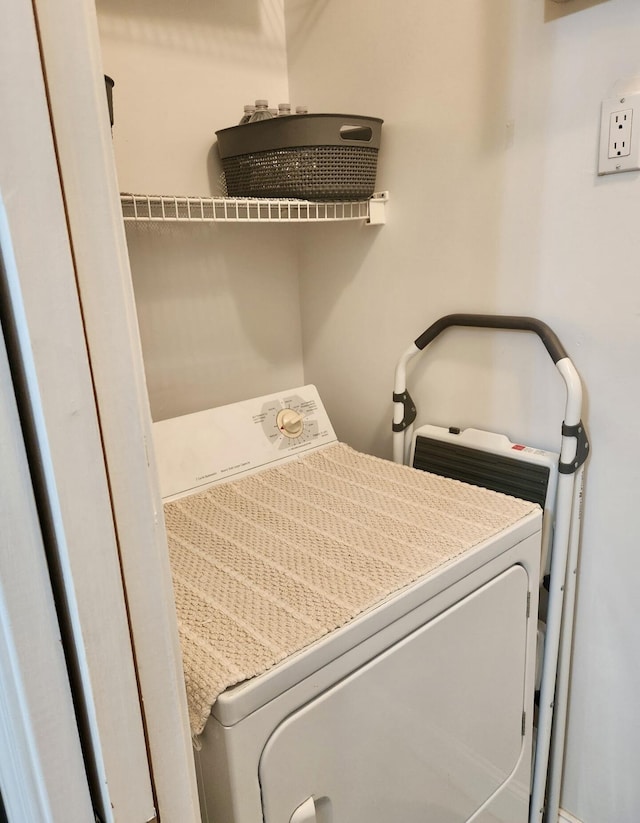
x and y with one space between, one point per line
248 111
262 111
284 109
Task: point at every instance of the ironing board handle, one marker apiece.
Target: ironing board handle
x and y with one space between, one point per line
496 321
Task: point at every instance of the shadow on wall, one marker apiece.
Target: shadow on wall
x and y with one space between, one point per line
215 173
227 29
553 9
226 13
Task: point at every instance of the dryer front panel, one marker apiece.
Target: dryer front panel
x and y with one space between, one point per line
432 729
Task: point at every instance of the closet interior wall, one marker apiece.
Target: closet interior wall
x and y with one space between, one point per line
218 304
489 151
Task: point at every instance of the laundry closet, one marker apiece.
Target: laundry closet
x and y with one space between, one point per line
220 305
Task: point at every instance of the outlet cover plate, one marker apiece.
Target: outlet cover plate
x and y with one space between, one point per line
620 124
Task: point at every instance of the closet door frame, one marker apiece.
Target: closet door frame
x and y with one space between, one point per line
70 48
69 321
50 374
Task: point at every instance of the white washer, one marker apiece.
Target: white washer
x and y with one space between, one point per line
419 709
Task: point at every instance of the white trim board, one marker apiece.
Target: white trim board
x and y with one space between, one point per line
41 765
62 426
565 817
75 83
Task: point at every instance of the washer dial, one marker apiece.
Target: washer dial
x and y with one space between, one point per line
290 422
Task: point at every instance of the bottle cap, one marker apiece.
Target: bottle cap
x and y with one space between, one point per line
262 104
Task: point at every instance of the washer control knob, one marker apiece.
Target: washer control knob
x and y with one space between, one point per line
290 422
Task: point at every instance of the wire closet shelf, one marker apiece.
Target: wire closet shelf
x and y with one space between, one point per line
166 208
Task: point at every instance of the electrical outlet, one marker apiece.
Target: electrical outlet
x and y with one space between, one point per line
619 140
620 123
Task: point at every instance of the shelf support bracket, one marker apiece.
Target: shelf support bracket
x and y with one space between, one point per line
377 209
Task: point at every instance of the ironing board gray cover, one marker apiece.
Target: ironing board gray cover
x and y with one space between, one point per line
264 566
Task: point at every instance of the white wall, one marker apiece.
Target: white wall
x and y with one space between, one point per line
218 305
489 152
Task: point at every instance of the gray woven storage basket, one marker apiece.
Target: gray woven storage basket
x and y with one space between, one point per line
309 156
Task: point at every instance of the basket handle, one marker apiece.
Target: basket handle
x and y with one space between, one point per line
350 133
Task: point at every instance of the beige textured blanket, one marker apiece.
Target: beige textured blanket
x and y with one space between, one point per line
269 564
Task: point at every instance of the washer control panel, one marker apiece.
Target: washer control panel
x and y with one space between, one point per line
291 420
217 445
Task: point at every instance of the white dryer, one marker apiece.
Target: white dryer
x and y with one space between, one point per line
417 707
